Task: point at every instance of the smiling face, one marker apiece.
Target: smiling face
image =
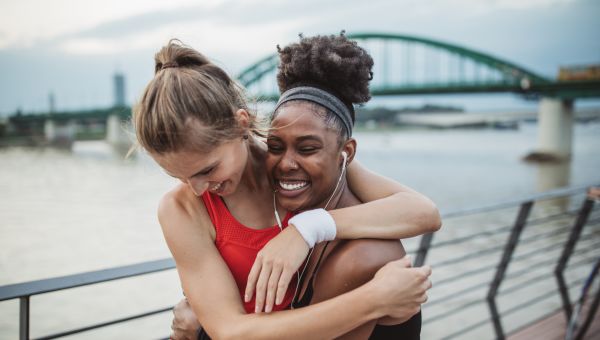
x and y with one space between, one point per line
219 171
304 158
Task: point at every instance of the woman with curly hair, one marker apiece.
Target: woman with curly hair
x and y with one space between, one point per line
193 121
321 79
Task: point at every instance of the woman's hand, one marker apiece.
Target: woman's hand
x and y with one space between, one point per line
274 267
185 325
401 289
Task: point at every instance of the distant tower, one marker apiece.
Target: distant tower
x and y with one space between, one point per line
119 80
51 102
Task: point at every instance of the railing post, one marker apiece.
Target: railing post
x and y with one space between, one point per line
582 218
509 249
24 318
423 249
591 314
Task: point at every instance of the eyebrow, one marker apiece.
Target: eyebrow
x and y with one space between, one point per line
213 165
206 169
301 138
310 137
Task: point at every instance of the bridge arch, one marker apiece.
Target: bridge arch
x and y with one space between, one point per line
502 75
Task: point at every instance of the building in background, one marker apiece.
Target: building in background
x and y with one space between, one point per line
51 102
119 81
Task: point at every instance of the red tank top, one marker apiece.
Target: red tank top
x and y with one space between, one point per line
239 245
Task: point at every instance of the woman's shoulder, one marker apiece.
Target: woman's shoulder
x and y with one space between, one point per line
177 202
180 208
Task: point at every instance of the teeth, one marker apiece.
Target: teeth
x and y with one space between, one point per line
217 186
292 186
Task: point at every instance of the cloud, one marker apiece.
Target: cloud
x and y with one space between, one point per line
520 4
539 35
224 27
494 5
209 36
29 22
98 22
26 23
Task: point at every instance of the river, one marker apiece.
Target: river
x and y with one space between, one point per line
67 212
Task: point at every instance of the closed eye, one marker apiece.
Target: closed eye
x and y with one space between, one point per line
307 150
274 148
205 172
208 171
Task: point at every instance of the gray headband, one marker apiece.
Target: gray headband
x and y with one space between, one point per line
321 97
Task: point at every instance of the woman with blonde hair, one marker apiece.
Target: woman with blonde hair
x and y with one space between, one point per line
220 223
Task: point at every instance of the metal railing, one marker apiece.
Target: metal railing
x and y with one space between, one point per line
530 246
24 291
579 223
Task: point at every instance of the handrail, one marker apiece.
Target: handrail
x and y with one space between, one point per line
104 324
546 195
31 288
566 254
581 219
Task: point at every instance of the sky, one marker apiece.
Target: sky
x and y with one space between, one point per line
72 48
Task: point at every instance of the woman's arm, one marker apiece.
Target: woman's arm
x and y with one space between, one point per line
391 211
214 297
349 265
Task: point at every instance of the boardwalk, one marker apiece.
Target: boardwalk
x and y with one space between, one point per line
553 328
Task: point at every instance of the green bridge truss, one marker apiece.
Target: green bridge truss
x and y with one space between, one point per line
409 65
404 65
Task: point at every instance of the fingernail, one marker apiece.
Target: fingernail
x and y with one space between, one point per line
246 298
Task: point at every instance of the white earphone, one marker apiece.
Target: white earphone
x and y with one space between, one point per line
345 156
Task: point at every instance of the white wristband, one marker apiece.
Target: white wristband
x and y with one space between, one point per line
315 226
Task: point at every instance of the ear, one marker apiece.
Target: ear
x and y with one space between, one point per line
243 118
350 148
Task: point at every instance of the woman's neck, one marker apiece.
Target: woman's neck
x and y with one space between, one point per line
253 178
344 198
251 203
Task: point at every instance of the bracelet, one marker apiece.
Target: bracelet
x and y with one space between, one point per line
315 226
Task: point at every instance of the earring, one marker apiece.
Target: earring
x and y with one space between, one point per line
245 137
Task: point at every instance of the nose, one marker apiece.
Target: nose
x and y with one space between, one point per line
288 162
198 186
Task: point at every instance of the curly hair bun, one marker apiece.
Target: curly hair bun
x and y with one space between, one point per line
331 62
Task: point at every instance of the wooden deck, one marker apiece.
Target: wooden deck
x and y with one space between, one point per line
553 328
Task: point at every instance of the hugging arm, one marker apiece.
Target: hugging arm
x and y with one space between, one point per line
352 263
391 211
214 296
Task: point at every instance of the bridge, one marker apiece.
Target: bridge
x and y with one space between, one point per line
60 129
410 65
404 65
